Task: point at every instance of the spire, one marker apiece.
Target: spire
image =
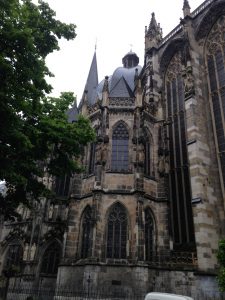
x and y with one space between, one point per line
153 25
92 82
153 34
186 8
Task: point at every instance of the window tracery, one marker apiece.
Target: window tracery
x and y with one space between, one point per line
14 256
180 194
86 233
149 235
51 259
215 61
117 232
62 185
91 168
120 153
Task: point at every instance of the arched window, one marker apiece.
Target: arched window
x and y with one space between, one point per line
62 186
180 191
215 56
117 232
91 167
14 256
86 233
147 165
120 140
51 259
149 235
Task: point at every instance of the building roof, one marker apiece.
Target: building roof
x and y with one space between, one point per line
92 82
72 113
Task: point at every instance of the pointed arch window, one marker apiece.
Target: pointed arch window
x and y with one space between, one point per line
147 164
149 235
120 140
117 232
62 186
86 233
14 256
215 61
180 191
91 167
51 259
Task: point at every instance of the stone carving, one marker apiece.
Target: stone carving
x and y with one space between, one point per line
161 167
189 89
175 67
140 154
50 212
216 37
121 102
104 154
167 164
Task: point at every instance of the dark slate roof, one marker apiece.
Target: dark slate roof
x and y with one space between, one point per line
72 113
127 73
121 89
92 82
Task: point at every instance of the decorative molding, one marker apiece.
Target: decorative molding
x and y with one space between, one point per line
122 102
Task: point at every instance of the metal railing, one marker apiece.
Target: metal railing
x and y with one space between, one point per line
66 293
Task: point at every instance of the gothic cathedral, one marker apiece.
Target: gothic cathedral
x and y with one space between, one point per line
148 211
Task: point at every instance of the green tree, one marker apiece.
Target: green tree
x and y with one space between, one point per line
33 128
221 260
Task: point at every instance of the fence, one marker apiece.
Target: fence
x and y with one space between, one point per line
69 294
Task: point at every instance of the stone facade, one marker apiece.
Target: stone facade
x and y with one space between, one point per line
148 211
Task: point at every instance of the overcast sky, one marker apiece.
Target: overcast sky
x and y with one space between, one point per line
115 25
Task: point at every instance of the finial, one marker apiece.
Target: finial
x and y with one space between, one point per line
131 45
154 31
95 44
186 8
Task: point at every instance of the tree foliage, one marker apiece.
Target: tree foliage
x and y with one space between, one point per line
221 260
33 128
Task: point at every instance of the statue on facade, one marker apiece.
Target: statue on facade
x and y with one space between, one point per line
104 154
141 154
188 82
161 165
50 211
33 251
25 251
